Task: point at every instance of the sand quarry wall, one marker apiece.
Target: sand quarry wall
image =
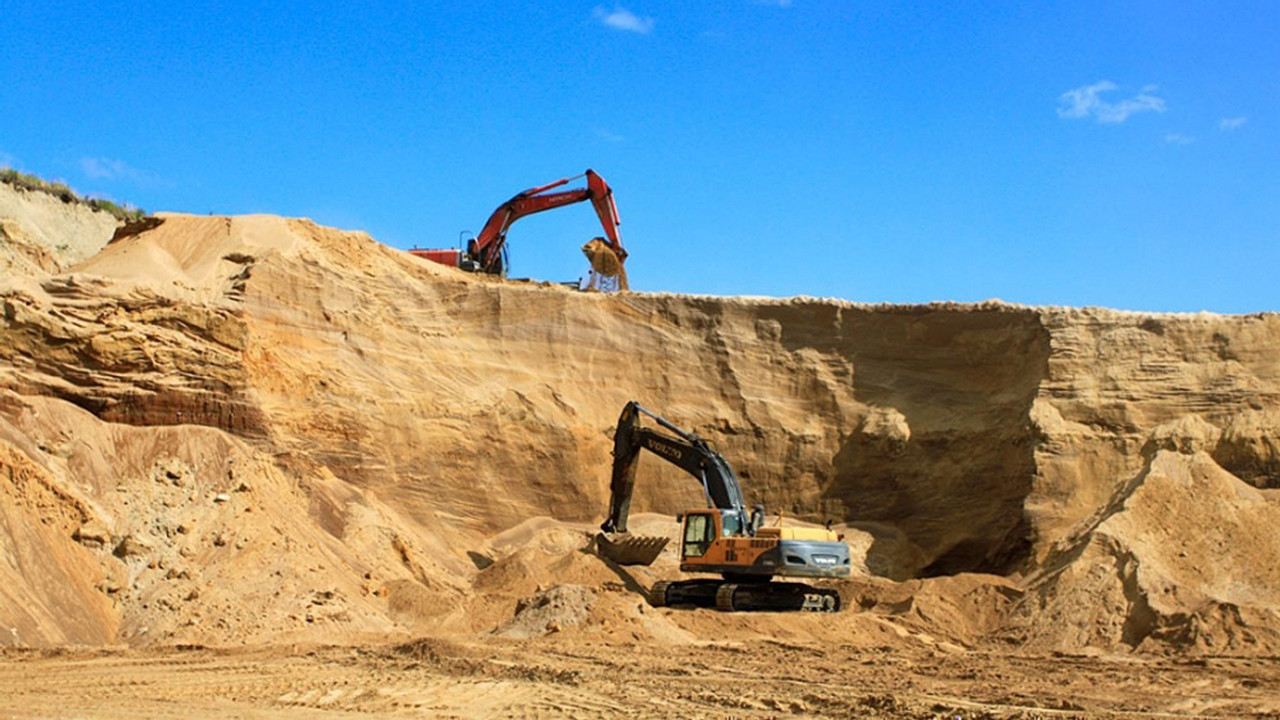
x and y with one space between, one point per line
224 428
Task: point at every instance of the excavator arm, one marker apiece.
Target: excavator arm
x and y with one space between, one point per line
685 450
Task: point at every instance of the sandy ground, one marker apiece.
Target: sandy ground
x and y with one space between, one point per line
549 678
248 463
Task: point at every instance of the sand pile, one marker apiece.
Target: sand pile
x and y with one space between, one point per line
1183 556
563 606
256 429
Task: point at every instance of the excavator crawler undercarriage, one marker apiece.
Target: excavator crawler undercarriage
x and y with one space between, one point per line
754 595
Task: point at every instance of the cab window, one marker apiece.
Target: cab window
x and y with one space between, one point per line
698 530
730 524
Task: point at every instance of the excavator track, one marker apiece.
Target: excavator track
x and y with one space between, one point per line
745 596
658 594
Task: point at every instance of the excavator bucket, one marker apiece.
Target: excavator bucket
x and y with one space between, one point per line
627 549
607 270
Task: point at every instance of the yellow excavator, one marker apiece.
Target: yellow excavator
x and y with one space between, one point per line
724 538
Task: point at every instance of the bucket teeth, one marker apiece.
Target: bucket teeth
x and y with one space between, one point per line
630 549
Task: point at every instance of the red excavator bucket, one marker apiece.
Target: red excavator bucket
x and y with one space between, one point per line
627 549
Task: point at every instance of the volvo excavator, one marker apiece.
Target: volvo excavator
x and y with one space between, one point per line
487 252
724 538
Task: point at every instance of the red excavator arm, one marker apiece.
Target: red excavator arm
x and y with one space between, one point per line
485 253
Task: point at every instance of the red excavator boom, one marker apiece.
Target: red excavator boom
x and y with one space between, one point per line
486 253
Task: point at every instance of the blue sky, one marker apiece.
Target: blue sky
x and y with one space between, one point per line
1118 154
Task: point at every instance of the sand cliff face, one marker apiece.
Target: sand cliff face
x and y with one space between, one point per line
40 233
255 407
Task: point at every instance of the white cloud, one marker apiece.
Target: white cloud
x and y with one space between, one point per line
1086 102
1178 139
103 168
7 160
623 19
100 168
1232 123
607 136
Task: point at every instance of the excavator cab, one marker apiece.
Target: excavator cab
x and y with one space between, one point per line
700 530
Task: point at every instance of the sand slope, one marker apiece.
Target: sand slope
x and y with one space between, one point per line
256 429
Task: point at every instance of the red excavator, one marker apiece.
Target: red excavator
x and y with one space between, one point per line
488 253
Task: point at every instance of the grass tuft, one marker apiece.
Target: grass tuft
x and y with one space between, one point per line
31 183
